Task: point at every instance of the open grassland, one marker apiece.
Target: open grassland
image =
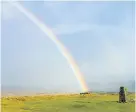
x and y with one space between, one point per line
68 103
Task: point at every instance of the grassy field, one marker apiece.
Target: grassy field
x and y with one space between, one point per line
67 103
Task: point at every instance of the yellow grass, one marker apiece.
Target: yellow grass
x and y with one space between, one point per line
67 103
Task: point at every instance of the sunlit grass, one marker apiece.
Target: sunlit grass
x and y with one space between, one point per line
67 103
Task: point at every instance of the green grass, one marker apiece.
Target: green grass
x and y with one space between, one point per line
67 103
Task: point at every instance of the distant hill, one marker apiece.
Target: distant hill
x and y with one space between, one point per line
14 90
93 87
112 86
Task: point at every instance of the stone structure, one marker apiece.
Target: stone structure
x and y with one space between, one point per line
122 95
84 93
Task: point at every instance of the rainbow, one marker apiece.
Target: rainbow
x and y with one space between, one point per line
60 46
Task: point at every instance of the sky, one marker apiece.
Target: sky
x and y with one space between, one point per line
99 36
